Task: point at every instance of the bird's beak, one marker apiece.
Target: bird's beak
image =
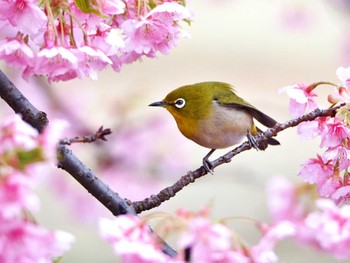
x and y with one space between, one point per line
159 104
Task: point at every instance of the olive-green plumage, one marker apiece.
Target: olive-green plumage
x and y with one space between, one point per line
212 115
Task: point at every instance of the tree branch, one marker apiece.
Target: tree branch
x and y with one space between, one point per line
190 177
21 105
67 160
101 191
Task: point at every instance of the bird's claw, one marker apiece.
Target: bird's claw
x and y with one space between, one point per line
254 144
207 165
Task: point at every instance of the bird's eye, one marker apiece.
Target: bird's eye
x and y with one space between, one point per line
179 103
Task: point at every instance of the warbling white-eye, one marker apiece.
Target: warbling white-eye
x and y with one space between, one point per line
212 115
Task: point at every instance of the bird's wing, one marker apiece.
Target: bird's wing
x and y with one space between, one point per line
258 115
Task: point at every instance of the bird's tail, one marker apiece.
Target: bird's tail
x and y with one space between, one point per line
273 141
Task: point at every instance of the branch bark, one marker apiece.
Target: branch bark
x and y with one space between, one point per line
101 191
21 105
169 192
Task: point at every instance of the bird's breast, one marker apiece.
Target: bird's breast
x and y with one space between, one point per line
223 128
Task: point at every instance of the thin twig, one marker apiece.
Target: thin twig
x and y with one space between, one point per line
100 134
190 177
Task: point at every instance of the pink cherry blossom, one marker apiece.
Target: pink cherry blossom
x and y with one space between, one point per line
91 60
342 195
264 250
339 95
17 177
325 227
328 186
21 169
132 240
331 226
108 40
142 36
321 171
25 15
176 11
111 7
344 75
302 98
16 195
283 200
16 133
316 170
207 242
22 241
57 63
308 130
335 134
200 239
75 43
155 31
339 155
16 53
312 129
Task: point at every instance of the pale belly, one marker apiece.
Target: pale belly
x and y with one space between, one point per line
225 128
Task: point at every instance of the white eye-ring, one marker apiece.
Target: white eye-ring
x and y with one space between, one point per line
180 103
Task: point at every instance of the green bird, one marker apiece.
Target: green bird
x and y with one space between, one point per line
212 115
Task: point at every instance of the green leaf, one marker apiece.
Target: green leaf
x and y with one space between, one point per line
88 6
29 157
151 4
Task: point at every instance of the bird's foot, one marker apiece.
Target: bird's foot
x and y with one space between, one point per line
254 144
207 165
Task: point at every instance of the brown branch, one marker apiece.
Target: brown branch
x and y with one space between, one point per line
101 191
21 105
190 177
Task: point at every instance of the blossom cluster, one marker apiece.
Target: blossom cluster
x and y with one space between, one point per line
201 240
322 224
329 170
22 160
69 39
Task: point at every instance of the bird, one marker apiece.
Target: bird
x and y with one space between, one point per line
212 115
